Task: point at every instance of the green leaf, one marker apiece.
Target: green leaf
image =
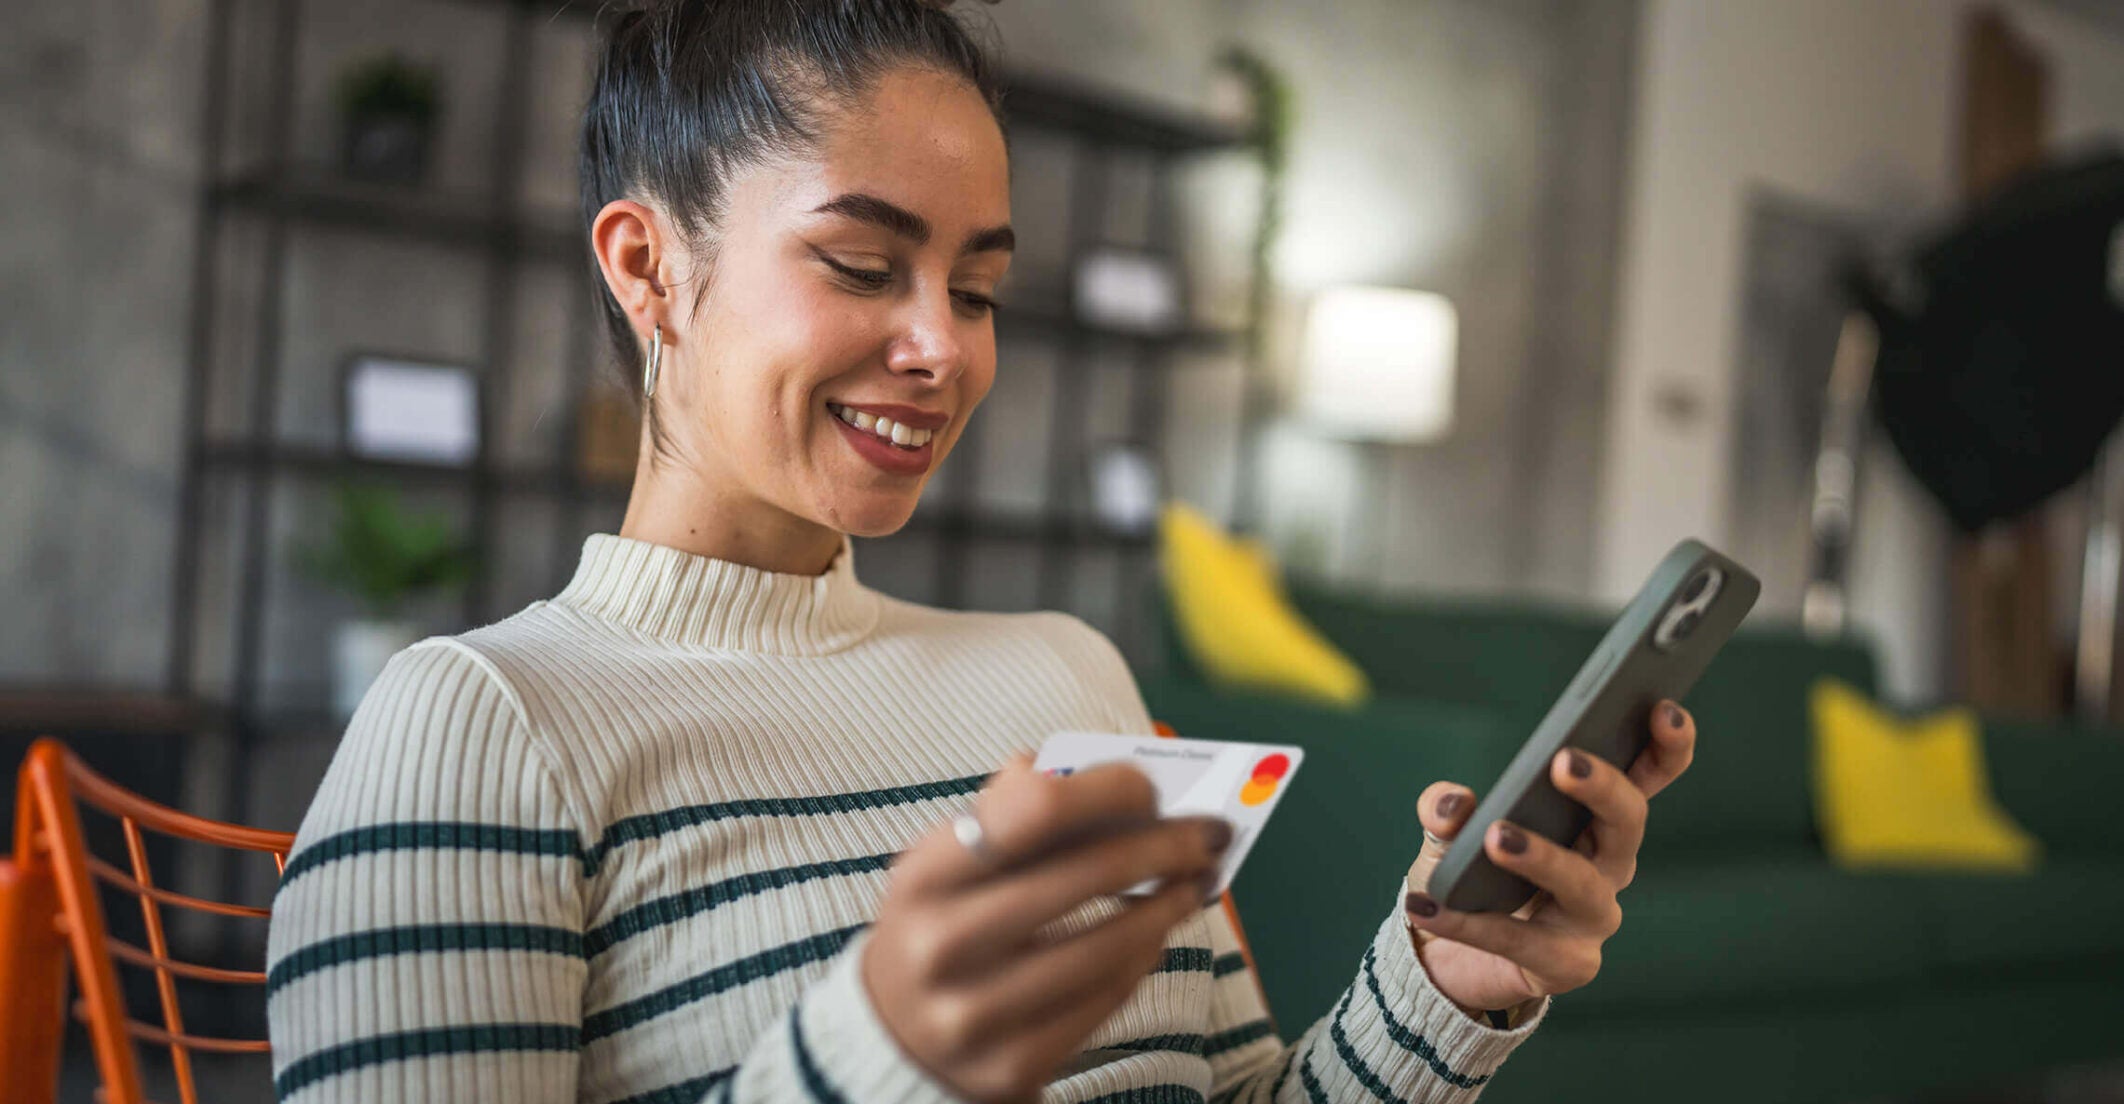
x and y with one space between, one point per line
389 85
382 554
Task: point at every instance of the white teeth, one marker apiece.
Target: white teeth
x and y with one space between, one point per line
898 434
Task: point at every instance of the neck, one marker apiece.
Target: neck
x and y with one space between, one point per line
677 507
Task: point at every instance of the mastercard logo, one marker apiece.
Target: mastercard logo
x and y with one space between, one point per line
1267 775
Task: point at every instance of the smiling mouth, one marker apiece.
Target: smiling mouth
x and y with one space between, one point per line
900 436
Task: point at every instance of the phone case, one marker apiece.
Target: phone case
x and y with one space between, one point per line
1606 711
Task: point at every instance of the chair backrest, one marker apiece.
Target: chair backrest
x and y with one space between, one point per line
50 914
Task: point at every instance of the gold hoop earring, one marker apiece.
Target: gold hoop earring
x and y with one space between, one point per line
656 361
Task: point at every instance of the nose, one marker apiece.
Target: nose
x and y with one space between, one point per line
928 347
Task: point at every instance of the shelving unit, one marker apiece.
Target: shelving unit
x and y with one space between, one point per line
274 193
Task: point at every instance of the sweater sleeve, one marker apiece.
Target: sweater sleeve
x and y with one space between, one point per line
427 938
830 1047
1392 1035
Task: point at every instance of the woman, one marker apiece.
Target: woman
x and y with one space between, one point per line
717 821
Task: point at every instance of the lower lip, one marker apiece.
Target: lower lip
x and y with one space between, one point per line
884 453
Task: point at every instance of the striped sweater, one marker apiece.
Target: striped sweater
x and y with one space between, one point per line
624 846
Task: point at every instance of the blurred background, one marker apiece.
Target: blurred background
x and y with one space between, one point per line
1454 315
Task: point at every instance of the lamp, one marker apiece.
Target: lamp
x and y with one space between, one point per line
1376 366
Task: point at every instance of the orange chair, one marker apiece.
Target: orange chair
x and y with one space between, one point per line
50 913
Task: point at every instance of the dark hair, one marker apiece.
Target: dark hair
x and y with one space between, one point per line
688 90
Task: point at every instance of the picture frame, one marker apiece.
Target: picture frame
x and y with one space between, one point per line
404 409
1129 290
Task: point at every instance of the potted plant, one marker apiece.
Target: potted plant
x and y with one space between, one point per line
385 557
388 107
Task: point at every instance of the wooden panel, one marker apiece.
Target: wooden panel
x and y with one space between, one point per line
2007 658
2005 103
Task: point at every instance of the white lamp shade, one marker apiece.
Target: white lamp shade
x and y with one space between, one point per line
1377 364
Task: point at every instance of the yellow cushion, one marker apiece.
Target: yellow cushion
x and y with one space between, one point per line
1891 793
1234 620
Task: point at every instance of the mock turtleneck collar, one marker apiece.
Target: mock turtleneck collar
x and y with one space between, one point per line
702 602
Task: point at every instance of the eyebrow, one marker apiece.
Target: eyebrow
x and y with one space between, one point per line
994 238
907 224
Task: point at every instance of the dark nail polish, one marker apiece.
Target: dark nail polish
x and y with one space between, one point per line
1217 834
1511 839
1449 806
1579 765
1421 904
1675 717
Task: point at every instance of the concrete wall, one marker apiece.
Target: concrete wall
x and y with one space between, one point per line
97 145
1847 106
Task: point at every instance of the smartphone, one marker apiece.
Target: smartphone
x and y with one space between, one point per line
1656 649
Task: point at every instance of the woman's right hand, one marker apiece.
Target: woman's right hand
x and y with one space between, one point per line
954 965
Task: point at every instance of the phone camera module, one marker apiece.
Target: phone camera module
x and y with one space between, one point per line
1674 627
1687 612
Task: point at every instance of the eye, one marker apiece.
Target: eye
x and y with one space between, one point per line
866 279
976 304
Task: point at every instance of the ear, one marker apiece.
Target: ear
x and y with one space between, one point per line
630 243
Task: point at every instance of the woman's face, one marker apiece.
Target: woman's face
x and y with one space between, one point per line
845 334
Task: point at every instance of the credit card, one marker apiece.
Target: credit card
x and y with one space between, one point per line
1240 782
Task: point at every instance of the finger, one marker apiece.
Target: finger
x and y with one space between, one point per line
1443 809
1554 960
938 859
1618 806
1672 749
1023 813
1034 812
1068 987
1582 899
994 916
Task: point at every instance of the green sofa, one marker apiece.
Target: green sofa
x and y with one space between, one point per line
1749 967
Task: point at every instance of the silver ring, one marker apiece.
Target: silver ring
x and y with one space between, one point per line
1433 837
967 828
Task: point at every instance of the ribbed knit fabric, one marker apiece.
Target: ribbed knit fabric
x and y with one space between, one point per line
625 845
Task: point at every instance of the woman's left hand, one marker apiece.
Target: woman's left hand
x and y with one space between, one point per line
1483 961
